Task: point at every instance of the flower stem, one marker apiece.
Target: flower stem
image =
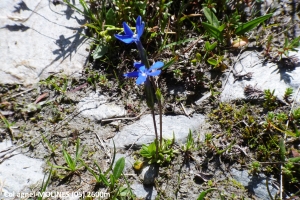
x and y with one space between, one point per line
155 130
143 54
160 110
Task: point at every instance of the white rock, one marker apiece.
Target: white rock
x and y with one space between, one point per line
264 77
142 131
96 108
38 38
18 173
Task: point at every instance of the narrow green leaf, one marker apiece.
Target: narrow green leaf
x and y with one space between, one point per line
119 167
211 17
213 31
104 179
171 62
100 51
212 61
204 193
68 159
251 24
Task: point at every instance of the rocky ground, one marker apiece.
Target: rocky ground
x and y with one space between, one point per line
50 103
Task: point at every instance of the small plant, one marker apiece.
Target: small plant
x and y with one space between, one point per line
255 167
177 74
59 84
270 100
165 153
288 94
187 148
289 46
111 177
233 26
296 114
73 164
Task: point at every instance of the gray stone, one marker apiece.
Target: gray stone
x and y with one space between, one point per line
255 184
144 192
142 131
18 173
269 76
38 38
95 107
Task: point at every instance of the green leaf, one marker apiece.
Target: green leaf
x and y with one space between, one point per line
251 24
100 51
171 62
211 17
152 147
212 61
204 193
110 17
104 179
210 47
213 31
119 167
69 160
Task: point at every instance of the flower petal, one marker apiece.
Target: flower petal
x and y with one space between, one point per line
127 30
124 38
140 25
138 65
132 74
141 79
143 69
141 30
156 65
155 73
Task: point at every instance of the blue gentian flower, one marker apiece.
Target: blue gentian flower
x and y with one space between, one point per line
142 72
129 36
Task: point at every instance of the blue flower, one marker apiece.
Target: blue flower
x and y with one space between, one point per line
129 36
142 72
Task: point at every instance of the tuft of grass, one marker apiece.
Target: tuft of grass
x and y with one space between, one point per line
73 164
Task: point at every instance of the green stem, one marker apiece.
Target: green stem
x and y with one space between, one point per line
155 130
160 111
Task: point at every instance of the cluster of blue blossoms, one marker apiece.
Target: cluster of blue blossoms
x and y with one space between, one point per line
142 72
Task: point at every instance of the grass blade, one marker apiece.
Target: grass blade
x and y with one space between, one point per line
252 24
